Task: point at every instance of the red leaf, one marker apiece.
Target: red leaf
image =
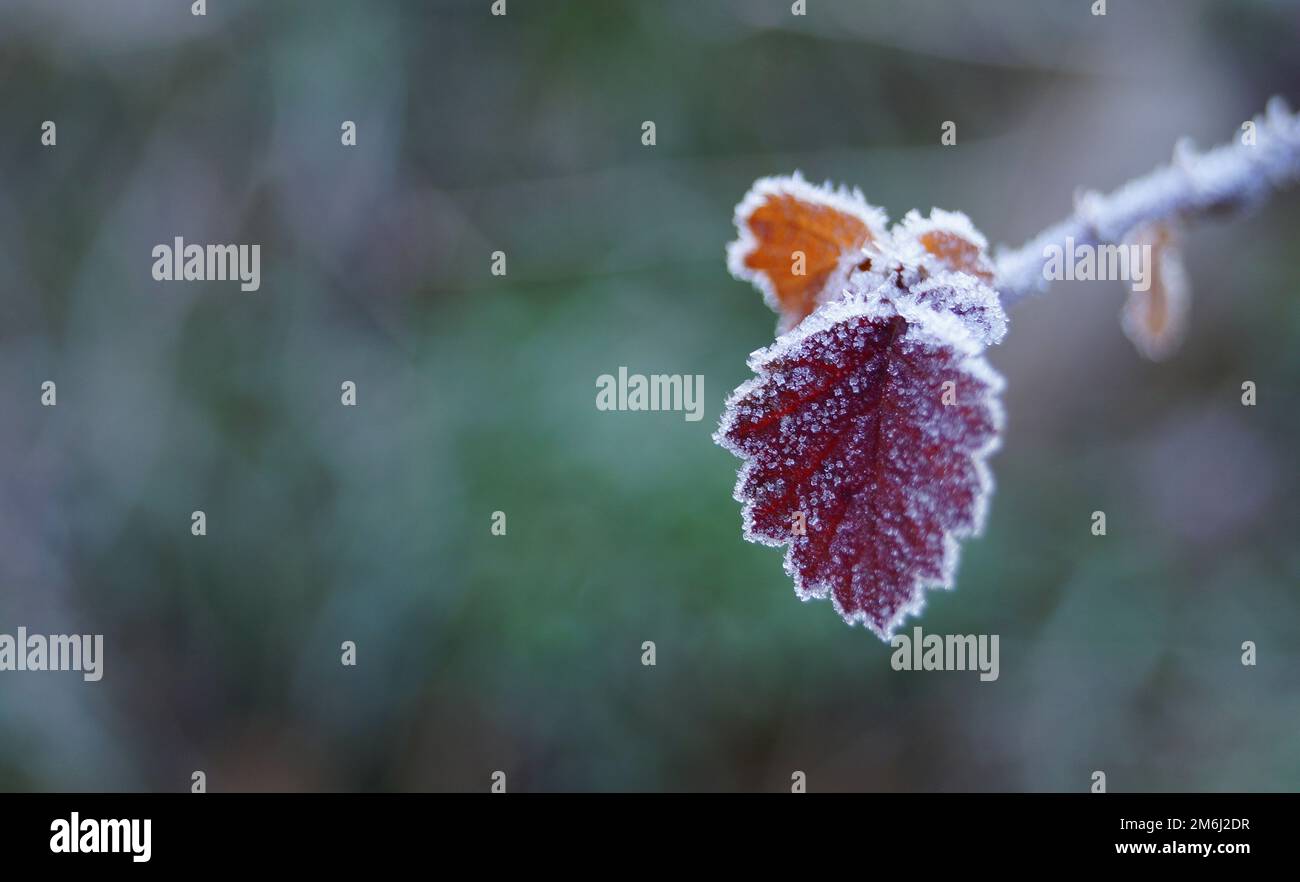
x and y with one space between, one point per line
847 424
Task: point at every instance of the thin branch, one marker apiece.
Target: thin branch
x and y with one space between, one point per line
1232 177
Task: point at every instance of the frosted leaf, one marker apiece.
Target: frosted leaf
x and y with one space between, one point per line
784 217
967 298
873 418
1156 319
945 241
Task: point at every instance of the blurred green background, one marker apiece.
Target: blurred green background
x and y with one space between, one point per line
476 393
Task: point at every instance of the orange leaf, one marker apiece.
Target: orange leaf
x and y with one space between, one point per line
796 241
1155 319
950 242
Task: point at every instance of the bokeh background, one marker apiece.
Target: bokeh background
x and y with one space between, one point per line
523 653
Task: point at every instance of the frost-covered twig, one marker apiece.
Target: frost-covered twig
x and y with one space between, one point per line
1233 176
